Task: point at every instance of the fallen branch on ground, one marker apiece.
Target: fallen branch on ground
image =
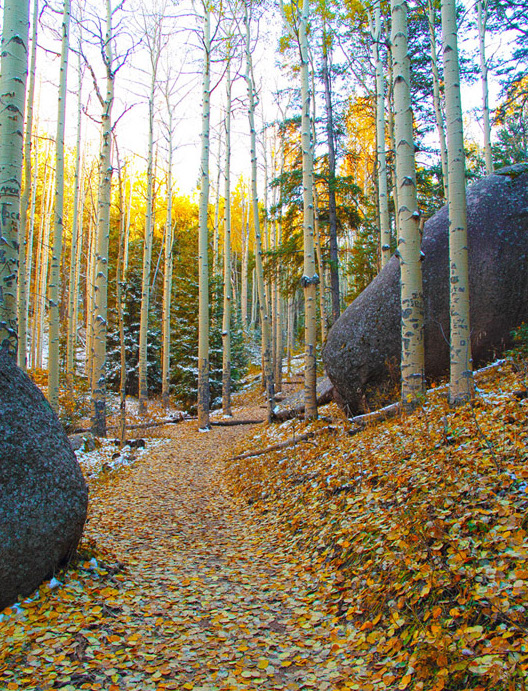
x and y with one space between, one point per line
283 444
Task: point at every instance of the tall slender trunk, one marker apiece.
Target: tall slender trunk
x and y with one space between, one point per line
383 194
310 277
461 384
392 143
167 273
409 240
73 297
439 118
44 270
22 298
147 258
103 234
332 205
244 278
263 305
58 225
77 265
226 324
216 229
120 278
29 250
203 267
13 71
482 17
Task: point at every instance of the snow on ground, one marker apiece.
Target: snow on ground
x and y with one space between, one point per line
109 457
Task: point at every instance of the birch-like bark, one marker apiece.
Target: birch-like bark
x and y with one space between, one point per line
167 270
25 227
203 267
383 194
13 73
216 228
392 142
244 277
310 278
226 323
439 118
332 205
44 270
263 305
77 264
73 296
120 307
409 240
461 384
103 234
482 17
147 255
58 221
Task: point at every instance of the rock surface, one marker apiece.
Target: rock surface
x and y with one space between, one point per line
362 353
43 495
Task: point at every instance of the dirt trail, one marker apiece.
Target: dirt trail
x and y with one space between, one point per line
210 601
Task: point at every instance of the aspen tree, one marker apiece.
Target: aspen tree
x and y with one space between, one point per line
44 269
167 266
461 384
73 296
263 304
383 194
317 232
154 40
100 292
203 268
226 323
216 228
120 281
409 239
310 277
77 264
439 117
482 17
244 278
58 225
26 246
13 72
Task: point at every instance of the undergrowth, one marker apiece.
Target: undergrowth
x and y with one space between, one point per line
417 530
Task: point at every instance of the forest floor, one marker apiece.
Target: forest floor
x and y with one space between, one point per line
396 558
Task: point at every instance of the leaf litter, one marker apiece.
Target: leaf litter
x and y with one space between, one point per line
393 559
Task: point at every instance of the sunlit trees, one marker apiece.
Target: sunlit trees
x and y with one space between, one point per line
56 254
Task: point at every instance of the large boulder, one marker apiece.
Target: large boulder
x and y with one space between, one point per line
362 353
43 495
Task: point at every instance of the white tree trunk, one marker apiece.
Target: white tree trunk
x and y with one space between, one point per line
58 225
73 295
482 16
409 240
103 234
167 270
13 74
203 267
263 305
383 194
226 324
439 118
147 259
461 384
26 225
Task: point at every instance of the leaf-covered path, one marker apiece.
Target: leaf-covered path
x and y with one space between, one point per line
201 597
